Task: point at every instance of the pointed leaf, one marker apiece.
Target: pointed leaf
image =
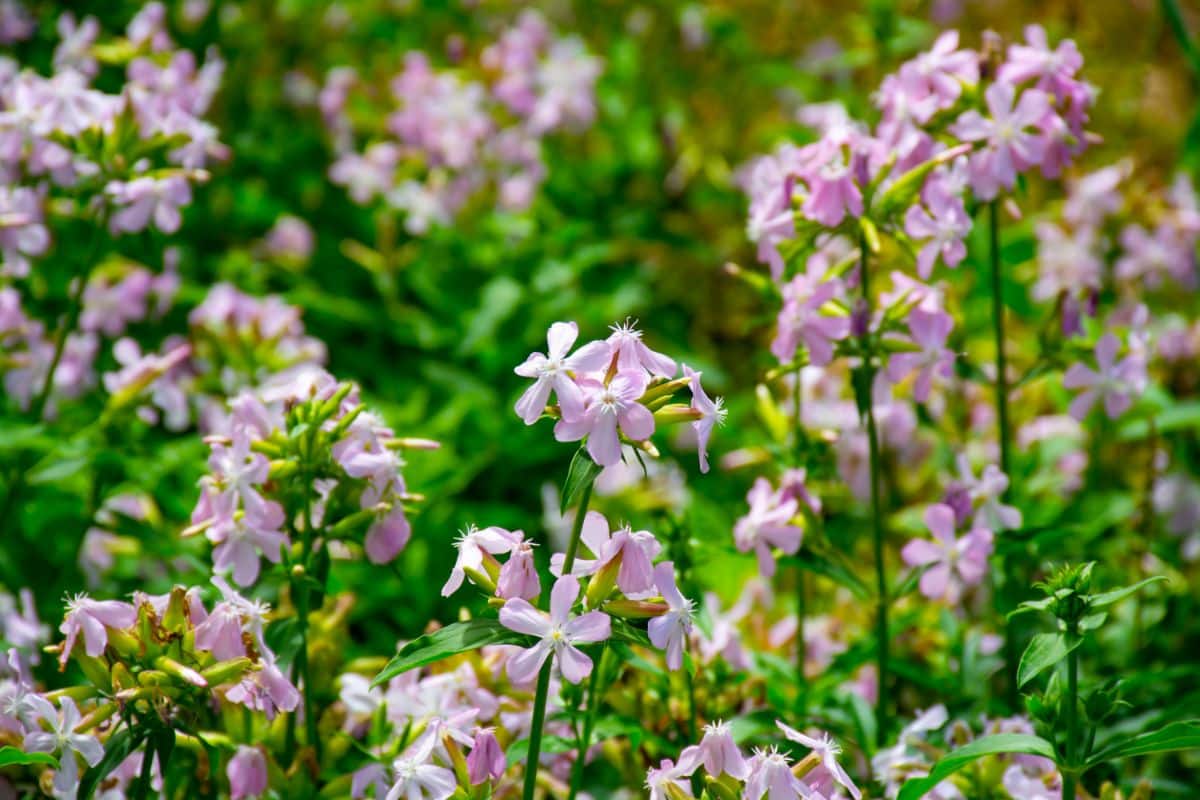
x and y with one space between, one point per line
12 756
1046 650
984 746
1117 595
1175 736
451 640
580 476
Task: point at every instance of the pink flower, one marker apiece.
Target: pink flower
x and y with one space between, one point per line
712 413
951 563
668 780
388 534
518 576
801 320
929 330
1011 144
1054 70
419 779
609 407
143 199
626 342
766 525
553 372
635 550
771 775
472 547
62 739
669 632
265 690
1114 382
987 491
247 772
720 754
828 751
93 618
558 633
486 759
832 190
941 71
944 225
239 543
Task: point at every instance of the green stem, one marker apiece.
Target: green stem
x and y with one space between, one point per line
1069 774
543 684
589 722
881 588
535 730
146 774
801 644
42 399
1011 653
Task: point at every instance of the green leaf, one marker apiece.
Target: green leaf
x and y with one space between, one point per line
827 564
984 746
1117 595
580 476
116 749
451 640
11 757
1046 650
518 750
623 631
1175 736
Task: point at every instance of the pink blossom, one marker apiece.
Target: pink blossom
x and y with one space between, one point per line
943 225
1011 140
518 576
801 320
766 525
557 633
62 739
985 493
951 564
473 546
1054 70
929 331
668 780
828 751
720 754
247 773
635 550
712 413
23 233
553 372
832 190
266 690
1114 382
609 407
632 353
669 632
486 759
771 775
144 199
93 618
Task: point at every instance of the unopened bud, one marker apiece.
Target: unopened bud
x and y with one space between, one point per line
635 609
227 671
413 443
481 579
603 582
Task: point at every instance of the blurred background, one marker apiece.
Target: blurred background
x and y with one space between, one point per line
637 218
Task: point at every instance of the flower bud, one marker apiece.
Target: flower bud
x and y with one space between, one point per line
602 583
635 609
486 759
719 789
227 671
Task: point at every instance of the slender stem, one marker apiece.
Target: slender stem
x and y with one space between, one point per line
576 529
589 721
881 587
146 773
535 730
42 398
1011 654
1069 774
543 684
801 643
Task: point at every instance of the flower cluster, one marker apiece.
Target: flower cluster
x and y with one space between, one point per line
612 390
454 132
276 447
